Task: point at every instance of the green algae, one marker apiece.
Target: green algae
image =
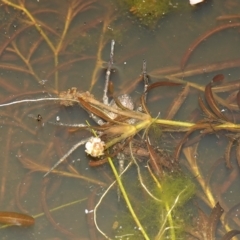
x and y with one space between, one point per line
164 219
148 11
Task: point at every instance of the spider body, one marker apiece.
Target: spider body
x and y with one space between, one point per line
126 101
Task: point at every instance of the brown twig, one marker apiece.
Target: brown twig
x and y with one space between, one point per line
48 214
202 38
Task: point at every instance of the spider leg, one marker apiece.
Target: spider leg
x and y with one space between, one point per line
95 118
73 125
108 73
57 122
145 78
66 155
98 120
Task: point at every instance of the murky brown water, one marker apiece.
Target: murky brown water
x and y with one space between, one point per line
35 63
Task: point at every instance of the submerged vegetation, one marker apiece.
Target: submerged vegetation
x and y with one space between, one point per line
163 219
148 11
147 161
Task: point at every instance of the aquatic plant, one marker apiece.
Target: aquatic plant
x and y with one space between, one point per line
157 197
149 11
163 218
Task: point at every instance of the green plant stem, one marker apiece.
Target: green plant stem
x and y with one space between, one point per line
43 34
127 200
51 210
22 8
132 130
227 126
169 210
147 119
174 123
170 221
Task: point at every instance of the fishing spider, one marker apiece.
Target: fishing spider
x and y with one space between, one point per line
94 146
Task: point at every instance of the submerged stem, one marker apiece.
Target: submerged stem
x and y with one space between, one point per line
132 131
168 218
170 221
125 196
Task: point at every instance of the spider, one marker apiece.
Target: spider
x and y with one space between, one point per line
94 146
